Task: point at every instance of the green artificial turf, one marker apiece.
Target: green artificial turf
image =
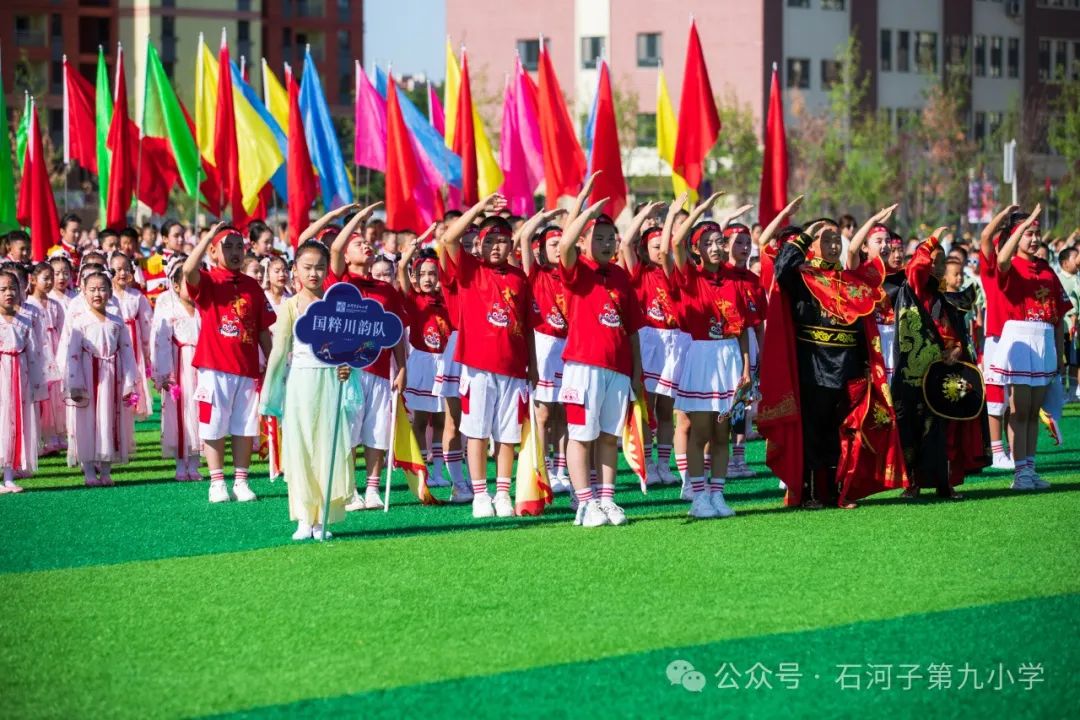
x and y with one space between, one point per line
144 600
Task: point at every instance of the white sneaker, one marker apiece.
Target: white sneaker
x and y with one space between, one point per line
355 503
1022 482
219 493
575 504
482 507
721 507
1003 462
687 493
666 476
652 475
590 514
615 514
782 486
242 492
504 506
372 501
303 531
320 533
561 484
702 506
462 493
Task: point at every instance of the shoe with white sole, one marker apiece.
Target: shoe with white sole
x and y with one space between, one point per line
320 533
702 506
1036 481
355 503
666 476
504 506
303 531
719 504
687 493
482 506
462 493
242 492
1022 482
652 475
561 484
219 493
615 514
372 501
590 515
1003 462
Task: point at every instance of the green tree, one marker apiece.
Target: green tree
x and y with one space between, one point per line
734 163
1064 137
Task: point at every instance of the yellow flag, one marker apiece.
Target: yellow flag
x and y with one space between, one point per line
532 489
489 176
633 444
206 79
275 97
408 457
450 96
667 132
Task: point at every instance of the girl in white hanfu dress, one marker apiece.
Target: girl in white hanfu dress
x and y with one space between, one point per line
100 381
175 331
276 284
63 289
137 315
22 383
51 410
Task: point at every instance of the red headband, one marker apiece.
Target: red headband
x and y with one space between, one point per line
705 227
493 230
736 229
223 233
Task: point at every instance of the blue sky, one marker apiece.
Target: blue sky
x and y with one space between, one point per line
411 34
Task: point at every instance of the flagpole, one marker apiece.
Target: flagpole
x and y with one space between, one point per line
198 167
390 449
67 136
142 125
333 458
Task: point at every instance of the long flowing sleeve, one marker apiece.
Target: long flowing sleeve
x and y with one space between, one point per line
786 268
38 357
71 345
126 366
272 395
144 316
161 334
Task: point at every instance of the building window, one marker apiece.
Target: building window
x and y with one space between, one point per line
243 31
344 10
1013 58
646 129
648 50
957 53
832 4
978 130
56 28
798 3
885 45
830 73
529 52
1061 61
1076 62
903 51
798 73
243 5
1044 60
926 52
592 49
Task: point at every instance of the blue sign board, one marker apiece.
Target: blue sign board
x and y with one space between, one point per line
345 328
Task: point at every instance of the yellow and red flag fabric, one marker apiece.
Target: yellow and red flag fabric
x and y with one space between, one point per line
408 457
633 444
532 486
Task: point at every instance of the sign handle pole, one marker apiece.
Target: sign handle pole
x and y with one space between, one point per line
390 450
333 457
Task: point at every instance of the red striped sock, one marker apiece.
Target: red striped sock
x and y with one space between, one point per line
681 465
240 475
479 486
217 476
502 485
738 454
607 492
373 482
997 448
716 484
585 495
697 484
663 456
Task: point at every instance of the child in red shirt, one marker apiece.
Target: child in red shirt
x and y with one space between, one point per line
494 348
603 360
235 325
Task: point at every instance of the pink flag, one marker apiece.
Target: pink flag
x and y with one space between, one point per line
528 124
435 110
370 124
516 187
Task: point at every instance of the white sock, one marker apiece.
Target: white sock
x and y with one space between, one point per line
181 467
89 473
437 462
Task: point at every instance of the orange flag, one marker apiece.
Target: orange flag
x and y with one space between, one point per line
533 488
633 442
407 456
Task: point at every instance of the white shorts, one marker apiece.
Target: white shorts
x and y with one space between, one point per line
662 353
549 366
755 352
710 376
448 371
371 428
492 405
995 386
595 400
228 405
420 369
887 333
1025 354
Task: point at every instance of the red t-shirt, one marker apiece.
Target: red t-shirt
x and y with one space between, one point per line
606 313
233 310
391 301
448 283
1031 291
996 314
714 308
659 299
547 314
753 294
429 321
494 310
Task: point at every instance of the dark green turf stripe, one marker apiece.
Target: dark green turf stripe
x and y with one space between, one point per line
973 641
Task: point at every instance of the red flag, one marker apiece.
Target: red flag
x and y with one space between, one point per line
774 168
699 123
37 207
80 120
402 173
209 187
155 169
605 150
301 180
120 142
225 152
465 138
564 162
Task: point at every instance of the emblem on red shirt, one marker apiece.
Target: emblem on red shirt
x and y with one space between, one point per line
498 316
609 317
716 329
432 338
555 319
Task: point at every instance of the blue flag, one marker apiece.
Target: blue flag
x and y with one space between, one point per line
322 139
443 158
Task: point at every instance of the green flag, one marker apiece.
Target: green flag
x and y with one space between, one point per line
103 107
22 131
7 177
163 118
